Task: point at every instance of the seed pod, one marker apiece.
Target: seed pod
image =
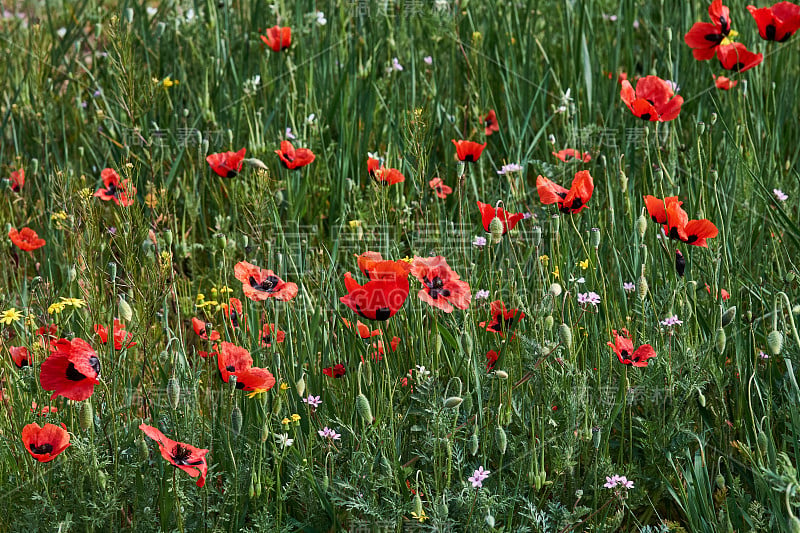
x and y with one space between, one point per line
461 167
536 238
452 402
775 342
701 398
496 230
728 316
87 415
466 343
565 335
112 271
594 238
417 505
720 481
141 446
548 322
173 392
720 340
641 226
236 420
596 437
364 409
500 439
556 224
555 290
125 311
701 128
641 287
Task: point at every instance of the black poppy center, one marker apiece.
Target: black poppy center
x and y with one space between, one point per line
561 195
181 454
94 362
469 158
268 285
112 190
673 233
230 368
73 374
436 287
234 318
624 354
42 448
645 116
267 339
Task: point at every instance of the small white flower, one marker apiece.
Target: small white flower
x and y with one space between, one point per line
396 65
511 167
61 32
479 241
284 440
780 195
422 372
289 134
311 118
428 60
321 20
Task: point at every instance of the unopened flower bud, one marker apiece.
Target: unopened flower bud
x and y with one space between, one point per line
125 311
641 287
548 322
713 119
720 339
364 409
141 446
641 226
775 342
452 402
701 398
466 343
236 420
594 238
301 385
473 443
720 481
501 439
728 316
87 415
489 519
701 128
417 504
173 392
496 230
565 335
265 432
502 374
623 180
536 237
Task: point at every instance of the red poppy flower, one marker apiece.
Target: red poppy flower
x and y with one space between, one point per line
292 158
122 337
26 239
271 334
488 213
184 456
704 37
652 100
379 348
374 266
726 84
694 232
722 292
17 180
569 201
443 287
46 410
388 176
373 165
623 347
233 310
468 151
254 379
232 359
20 355
121 192
383 295
491 359
335 371
502 319
203 328
45 443
48 334
440 188
570 154
226 164
278 38
657 208
71 370
777 23
737 57
259 285
490 123
362 329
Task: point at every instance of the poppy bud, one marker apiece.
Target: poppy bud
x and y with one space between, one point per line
728 316
720 339
173 392
713 119
301 385
255 163
167 236
87 415
452 402
500 439
265 432
536 239
565 335
701 398
761 441
641 287
701 128
775 342
623 180
236 420
252 488
417 505
680 263
794 525
473 443
112 271
141 446
789 276
128 15
556 223
468 403
714 176
437 344
363 409
496 230
548 322
594 238
720 481
466 343
125 311
555 290
502 374
489 521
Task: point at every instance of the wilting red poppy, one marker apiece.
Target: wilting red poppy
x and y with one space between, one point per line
777 23
491 359
570 154
440 188
468 151
737 57
20 355
652 100
694 232
335 371
203 329
503 320
726 84
382 296
443 287
704 37
372 166
657 208
623 347
26 239
121 192
292 158
488 213
45 443
259 284
722 292
184 456
254 379
278 38
122 337
71 370
490 123
17 180
569 201
270 334
232 359
362 329
226 164
233 310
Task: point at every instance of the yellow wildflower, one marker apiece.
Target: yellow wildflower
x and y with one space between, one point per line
56 308
169 82
295 417
422 516
583 264
544 259
284 386
74 302
355 223
556 273
9 316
